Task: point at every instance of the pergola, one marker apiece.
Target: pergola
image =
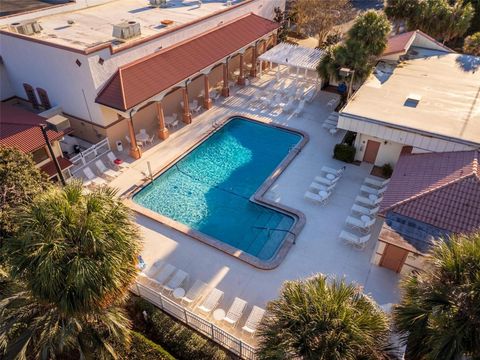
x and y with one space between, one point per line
293 56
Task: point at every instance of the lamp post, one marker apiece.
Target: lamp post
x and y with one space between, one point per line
44 128
348 72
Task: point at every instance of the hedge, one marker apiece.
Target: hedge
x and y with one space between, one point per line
175 337
142 348
344 152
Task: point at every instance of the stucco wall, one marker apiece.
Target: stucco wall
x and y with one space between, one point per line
387 153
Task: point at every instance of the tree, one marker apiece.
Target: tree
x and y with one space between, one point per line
439 314
281 19
75 256
472 44
20 181
371 31
318 17
318 319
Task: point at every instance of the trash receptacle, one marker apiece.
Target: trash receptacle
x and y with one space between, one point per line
119 146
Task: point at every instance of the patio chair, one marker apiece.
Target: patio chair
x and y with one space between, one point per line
150 139
377 183
143 131
235 311
176 281
325 181
104 170
355 240
165 273
139 143
154 269
318 187
299 108
370 190
359 224
289 105
211 301
111 156
92 178
367 201
359 209
253 320
336 172
317 198
194 292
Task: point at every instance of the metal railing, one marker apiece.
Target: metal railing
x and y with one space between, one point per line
203 326
92 153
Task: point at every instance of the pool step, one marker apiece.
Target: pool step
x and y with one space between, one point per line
264 234
276 238
252 234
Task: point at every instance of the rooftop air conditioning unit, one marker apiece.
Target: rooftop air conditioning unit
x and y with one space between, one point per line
126 30
28 27
158 3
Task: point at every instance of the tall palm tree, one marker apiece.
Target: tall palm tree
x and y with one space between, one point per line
318 319
75 257
439 315
371 29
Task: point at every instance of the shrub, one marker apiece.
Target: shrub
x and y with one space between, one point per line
178 339
344 152
387 170
142 348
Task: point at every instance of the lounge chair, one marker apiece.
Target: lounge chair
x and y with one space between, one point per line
310 95
299 108
104 170
367 201
111 156
165 273
359 224
289 105
358 241
370 190
211 301
325 181
253 320
235 312
92 178
317 198
154 269
359 209
318 187
375 182
176 281
336 172
194 292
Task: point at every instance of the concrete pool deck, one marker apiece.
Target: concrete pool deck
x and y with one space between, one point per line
317 249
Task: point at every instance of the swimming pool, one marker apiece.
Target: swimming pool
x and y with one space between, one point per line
209 189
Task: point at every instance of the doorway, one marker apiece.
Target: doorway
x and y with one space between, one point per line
371 151
393 257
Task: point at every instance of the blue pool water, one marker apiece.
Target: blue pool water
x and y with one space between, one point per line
210 188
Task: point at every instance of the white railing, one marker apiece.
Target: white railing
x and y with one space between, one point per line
87 156
220 336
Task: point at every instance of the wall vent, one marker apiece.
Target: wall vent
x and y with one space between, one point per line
126 30
28 27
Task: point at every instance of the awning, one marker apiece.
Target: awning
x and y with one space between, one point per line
50 169
294 56
137 82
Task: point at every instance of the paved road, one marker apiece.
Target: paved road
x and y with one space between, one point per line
368 4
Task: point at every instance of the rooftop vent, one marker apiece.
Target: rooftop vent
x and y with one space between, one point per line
412 100
28 27
126 30
158 3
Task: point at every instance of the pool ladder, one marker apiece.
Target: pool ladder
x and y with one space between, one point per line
276 229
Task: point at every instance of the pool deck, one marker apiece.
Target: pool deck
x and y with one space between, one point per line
317 249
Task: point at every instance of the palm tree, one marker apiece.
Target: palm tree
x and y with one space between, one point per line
75 257
317 319
472 44
439 315
371 29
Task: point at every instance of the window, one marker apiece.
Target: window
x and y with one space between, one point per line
39 155
42 94
31 95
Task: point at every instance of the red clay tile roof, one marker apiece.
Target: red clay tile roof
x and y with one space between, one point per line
399 43
19 129
146 77
50 169
440 189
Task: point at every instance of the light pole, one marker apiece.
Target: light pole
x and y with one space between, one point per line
43 128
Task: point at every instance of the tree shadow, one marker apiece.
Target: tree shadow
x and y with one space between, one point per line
468 63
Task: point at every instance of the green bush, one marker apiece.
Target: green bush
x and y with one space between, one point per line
344 152
142 348
177 338
387 170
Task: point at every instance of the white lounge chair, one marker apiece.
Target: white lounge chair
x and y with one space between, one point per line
336 172
111 156
325 181
367 201
358 241
310 95
235 312
253 320
359 209
194 292
359 224
165 273
318 187
289 105
92 178
154 269
317 198
176 281
376 183
299 108
370 190
211 301
104 170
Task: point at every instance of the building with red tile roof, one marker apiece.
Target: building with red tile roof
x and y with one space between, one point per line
20 129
